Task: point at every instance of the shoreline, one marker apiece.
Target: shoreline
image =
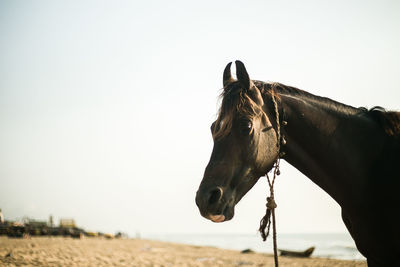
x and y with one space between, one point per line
91 251
328 245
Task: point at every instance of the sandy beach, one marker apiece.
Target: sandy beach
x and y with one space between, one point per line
60 251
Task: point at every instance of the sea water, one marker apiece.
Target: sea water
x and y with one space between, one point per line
327 245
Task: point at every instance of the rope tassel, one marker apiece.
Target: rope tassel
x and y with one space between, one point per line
265 222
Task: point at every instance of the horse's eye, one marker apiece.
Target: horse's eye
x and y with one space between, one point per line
246 127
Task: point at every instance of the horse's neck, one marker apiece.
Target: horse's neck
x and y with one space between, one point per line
330 143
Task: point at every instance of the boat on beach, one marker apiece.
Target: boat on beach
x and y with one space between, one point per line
302 254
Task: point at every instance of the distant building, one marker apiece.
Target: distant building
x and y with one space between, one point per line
51 222
67 223
36 223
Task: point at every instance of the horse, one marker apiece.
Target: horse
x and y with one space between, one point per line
353 154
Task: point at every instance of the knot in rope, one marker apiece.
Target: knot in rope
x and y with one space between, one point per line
271 204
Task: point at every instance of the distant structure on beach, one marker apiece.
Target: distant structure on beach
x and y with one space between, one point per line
31 227
67 223
51 222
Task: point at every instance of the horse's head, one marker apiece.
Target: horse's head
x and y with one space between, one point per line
245 146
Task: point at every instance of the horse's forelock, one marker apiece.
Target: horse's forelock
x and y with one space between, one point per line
235 102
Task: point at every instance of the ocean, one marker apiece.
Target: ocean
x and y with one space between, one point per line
328 245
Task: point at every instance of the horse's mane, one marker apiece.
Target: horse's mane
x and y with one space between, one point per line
388 120
295 92
236 101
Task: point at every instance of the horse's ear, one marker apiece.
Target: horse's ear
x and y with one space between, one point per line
227 75
242 75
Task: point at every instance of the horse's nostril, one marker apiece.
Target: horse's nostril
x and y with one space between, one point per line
215 195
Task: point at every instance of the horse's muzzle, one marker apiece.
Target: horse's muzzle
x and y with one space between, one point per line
213 205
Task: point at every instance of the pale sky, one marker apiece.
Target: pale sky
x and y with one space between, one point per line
105 106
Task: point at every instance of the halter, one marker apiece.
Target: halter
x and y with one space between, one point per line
265 222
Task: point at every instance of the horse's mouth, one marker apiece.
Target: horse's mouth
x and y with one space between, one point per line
217 218
226 215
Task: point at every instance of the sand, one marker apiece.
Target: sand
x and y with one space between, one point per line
60 251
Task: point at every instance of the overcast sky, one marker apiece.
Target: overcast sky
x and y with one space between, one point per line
105 106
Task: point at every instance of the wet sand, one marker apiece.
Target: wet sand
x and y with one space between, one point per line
59 251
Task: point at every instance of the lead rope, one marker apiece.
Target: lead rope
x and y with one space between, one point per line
265 222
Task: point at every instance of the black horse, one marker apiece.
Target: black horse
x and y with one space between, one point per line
351 153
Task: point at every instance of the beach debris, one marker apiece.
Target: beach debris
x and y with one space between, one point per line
120 234
247 251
